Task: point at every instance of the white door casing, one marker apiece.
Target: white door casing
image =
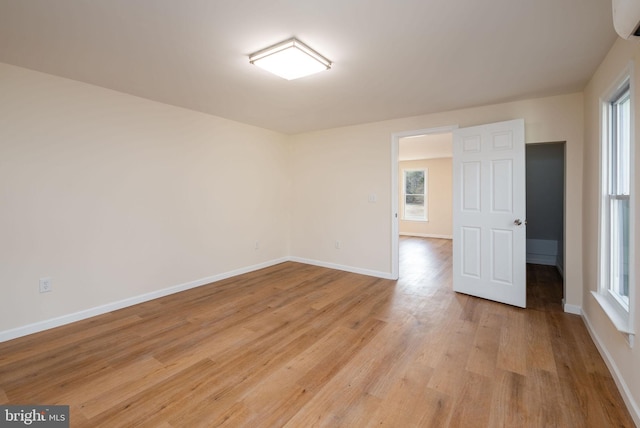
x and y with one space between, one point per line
489 207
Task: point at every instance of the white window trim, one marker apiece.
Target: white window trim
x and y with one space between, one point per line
622 319
426 194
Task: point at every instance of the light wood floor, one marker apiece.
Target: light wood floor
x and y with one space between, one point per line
299 346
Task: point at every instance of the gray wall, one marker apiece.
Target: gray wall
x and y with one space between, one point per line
545 193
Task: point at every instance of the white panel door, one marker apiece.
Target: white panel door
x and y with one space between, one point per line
489 234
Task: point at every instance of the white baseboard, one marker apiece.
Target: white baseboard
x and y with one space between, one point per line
571 309
426 235
377 274
632 405
542 246
542 252
541 259
109 307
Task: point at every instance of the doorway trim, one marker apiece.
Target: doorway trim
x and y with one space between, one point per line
395 222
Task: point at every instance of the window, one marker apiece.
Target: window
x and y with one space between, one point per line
618 196
615 287
415 194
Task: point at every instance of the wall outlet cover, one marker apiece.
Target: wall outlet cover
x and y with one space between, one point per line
45 285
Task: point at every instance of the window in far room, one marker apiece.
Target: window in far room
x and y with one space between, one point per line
415 194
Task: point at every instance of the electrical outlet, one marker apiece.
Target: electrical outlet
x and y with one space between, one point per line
45 285
257 245
338 245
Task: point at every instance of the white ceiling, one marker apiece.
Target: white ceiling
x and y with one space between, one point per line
391 58
431 146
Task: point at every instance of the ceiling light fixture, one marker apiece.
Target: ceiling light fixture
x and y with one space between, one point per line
290 60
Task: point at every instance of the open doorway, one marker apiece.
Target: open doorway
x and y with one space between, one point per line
545 184
546 164
425 201
395 188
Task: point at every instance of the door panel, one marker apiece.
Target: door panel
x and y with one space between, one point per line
471 254
501 186
502 256
489 254
471 188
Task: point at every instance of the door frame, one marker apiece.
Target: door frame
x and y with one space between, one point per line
395 206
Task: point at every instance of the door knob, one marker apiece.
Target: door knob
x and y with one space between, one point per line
517 222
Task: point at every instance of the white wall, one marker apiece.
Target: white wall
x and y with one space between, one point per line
335 170
439 199
624 361
115 196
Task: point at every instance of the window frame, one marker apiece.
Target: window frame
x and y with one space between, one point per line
620 310
425 194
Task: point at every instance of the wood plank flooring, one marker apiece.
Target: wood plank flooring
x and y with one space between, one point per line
303 346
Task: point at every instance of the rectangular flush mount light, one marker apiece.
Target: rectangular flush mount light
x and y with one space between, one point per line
290 60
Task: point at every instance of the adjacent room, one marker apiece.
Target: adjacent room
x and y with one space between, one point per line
428 221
